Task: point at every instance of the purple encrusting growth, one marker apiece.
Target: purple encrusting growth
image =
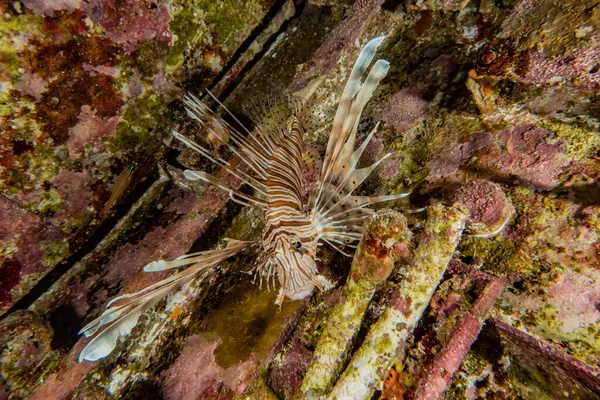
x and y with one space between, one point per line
489 208
286 376
27 250
526 152
404 108
89 131
134 22
212 380
502 92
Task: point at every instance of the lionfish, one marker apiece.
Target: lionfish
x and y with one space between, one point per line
294 228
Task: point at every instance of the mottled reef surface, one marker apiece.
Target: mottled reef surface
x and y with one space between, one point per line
491 110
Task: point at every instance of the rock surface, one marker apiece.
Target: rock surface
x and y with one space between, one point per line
492 105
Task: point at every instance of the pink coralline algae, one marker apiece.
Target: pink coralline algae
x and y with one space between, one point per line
196 375
48 7
76 192
576 69
133 22
446 164
489 209
404 108
531 156
576 297
287 375
89 130
526 152
25 231
390 170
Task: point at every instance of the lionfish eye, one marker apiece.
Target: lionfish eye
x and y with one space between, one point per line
297 244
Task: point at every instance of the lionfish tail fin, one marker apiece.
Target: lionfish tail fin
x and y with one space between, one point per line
120 319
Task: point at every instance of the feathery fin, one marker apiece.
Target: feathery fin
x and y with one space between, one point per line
123 317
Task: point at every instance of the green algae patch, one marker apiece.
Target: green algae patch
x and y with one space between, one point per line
502 256
202 24
9 247
15 32
247 321
49 203
580 140
54 251
582 343
383 345
142 126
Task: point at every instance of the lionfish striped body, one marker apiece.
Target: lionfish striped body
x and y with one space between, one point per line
294 226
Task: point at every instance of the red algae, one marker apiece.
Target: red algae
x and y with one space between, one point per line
526 152
489 209
24 261
404 108
133 22
77 194
195 373
89 130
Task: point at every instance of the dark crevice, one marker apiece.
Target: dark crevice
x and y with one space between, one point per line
96 236
65 322
172 158
268 18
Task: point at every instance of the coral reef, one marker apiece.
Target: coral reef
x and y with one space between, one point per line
490 113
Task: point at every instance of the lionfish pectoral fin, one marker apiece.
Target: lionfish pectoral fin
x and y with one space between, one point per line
204 258
121 318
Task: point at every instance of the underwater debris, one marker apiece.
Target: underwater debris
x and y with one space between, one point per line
294 226
490 211
448 360
442 232
568 374
386 239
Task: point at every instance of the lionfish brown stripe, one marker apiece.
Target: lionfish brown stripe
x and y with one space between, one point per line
281 228
282 182
282 203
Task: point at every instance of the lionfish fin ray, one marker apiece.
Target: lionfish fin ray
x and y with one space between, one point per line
123 317
338 136
244 146
206 177
340 160
202 258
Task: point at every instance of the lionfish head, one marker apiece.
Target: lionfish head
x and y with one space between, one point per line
292 260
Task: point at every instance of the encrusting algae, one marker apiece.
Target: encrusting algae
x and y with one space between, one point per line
295 224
